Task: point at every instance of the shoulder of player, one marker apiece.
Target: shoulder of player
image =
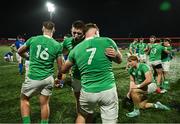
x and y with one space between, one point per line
34 37
144 65
105 38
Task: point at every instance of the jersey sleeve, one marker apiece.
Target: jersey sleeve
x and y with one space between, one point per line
64 43
113 44
146 68
71 56
59 52
28 42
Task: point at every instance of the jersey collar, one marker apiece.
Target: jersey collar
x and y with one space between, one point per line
89 38
47 36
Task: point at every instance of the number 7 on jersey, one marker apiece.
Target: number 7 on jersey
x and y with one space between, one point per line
93 51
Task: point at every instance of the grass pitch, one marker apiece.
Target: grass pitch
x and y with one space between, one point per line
62 102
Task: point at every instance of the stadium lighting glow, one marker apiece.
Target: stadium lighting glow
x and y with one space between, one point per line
51 8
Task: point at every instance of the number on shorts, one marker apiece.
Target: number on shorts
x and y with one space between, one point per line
93 51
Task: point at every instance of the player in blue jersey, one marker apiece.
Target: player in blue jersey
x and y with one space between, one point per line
18 43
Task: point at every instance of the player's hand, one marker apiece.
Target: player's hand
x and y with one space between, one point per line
110 52
56 82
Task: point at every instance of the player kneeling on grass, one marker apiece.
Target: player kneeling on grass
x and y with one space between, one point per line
140 85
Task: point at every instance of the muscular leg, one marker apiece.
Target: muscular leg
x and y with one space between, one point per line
25 108
44 104
144 104
131 86
137 95
80 119
159 77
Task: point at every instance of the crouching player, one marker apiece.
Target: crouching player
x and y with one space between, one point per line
8 57
140 85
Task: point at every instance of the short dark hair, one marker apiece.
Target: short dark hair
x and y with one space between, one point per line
78 24
49 25
90 25
19 37
167 39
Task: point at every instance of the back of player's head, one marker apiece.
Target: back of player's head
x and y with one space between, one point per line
132 58
91 25
19 37
49 25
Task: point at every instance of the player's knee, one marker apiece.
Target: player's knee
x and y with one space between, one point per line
24 97
134 92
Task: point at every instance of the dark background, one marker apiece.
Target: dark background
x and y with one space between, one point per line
115 18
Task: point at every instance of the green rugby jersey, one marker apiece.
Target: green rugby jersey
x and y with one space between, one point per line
95 67
155 53
141 47
139 72
69 44
133 46
166 56
43 51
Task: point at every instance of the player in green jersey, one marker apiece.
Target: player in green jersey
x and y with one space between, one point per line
141 47
166 58
43 51
141 83
77 32
155 61
133 47
152 39
94 57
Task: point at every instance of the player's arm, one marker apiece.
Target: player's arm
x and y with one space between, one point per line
13 48
166 50
115 55
147 49
130 50
66 67
148 80
65 50
22 51
69 62
59 64
60 76
132 83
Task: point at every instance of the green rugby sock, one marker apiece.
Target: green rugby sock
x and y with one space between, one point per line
44 121
26 120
